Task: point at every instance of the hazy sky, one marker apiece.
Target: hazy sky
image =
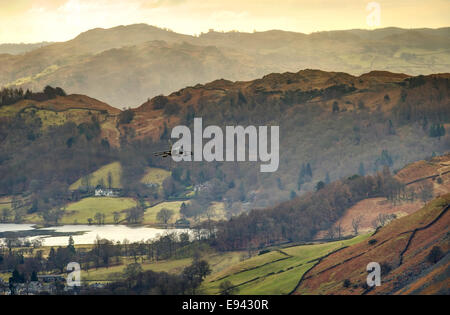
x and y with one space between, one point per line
59 20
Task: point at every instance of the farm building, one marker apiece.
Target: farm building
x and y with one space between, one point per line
106 192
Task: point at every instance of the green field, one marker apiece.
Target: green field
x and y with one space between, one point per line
152 175
102 173
116 272
150 213
276 272
5 203
217 261
155 175
80 211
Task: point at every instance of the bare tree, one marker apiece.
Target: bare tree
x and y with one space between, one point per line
356 223
109 180
339 230
164 215
426 192
331 232
383 219
116 217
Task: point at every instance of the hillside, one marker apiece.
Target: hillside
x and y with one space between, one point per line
402 248
15 49
125 65
376 112
275 271
433 174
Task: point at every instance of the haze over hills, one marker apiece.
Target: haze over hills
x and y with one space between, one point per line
15 49
125 65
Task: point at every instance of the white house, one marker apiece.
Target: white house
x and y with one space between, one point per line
106 192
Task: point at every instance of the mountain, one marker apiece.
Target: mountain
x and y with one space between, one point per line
125 65
334 123
412 251
417 177
16 49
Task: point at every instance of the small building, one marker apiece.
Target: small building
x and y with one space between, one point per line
51 278
182 223
106 192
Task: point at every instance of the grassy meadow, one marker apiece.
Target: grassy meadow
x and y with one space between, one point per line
151 212
79 212
276 272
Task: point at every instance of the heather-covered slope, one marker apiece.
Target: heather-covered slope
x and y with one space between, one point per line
404 249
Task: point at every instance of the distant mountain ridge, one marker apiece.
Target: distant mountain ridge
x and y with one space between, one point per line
125 65
15 48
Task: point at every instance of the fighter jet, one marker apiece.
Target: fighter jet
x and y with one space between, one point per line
177 151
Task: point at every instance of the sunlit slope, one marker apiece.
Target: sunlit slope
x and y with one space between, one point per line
402 248
276 272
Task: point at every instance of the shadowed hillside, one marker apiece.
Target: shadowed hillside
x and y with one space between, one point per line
332 126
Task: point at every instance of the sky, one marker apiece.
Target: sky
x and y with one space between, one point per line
60 20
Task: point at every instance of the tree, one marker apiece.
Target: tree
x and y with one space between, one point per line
71 246
109 180
195 273
426 192
435 255
101 183
391 129
164 215
116 216
135 215
228 288
126 116
320 185
34 276
424 123
99 218
437 131
132 270
293 194
362 170
6 215
309 170
335 107
356 223
339 230
327 178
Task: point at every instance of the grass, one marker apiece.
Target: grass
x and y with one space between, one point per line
116 272
218 210
155 175
5 203
80 211
217 262
150 213
152 175
276 272
102 173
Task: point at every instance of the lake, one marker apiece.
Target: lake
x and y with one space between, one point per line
87 234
